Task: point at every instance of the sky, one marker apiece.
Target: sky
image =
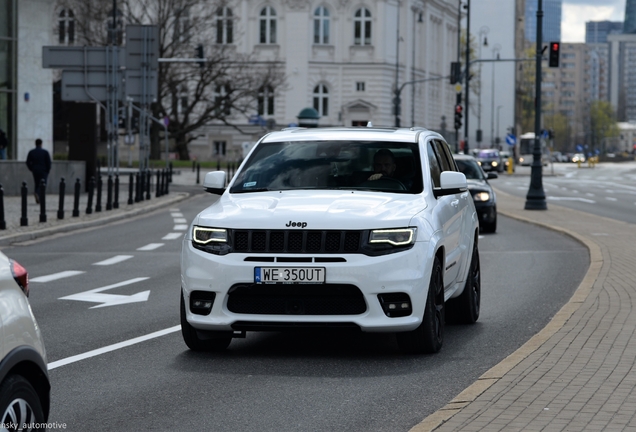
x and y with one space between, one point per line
576 13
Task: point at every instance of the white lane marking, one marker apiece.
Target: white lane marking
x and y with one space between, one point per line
182 227
611 199
56 276
96 295
174 210
599 234
172 236
180 220
114 260
113 347
589 194
151 246
571 199
175 215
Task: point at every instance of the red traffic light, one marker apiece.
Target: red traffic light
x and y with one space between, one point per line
458 109
555 46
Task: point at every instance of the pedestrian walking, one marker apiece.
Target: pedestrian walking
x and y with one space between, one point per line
4 143
39 163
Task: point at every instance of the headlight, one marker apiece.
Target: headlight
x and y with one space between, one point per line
481 196
395 237
479 162
495 163
203 236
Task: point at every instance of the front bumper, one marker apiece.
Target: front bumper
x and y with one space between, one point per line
487 211
405 272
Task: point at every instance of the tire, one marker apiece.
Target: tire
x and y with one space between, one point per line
192 340
465 308
19 402
490 227
428 338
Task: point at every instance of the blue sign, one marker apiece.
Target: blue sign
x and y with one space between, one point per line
597 151
511 139
579 148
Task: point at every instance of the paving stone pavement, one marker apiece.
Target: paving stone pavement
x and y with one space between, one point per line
579 372
14 232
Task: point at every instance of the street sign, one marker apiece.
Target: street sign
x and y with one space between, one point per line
579 148
142 39
78 86
511 139
80 58
135 84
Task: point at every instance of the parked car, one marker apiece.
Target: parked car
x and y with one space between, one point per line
318 230
481 191
505 158
24 382
490 160
578 157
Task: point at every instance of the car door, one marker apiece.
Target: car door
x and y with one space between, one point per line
448 213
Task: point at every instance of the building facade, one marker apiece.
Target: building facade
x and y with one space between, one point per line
597 31
622 75
630 17
551 20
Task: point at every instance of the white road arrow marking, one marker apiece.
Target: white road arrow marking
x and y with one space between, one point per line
113 260
56 276
96 296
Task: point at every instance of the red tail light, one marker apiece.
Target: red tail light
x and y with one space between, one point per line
20 275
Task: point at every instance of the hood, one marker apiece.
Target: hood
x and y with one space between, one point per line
313 209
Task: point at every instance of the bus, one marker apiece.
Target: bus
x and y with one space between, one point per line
526 148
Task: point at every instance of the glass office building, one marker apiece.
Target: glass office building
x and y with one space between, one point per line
8 40
597 31
630 17
551 20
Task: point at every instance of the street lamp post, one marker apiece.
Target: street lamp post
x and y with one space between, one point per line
467 77
483 31
535 199
497 138
495 55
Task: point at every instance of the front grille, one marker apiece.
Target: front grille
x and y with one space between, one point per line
295 241
297 299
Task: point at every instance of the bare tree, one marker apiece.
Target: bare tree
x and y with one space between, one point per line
222 90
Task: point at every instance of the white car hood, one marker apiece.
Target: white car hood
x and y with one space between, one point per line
318 209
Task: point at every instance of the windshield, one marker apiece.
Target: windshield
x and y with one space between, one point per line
381 166
488 154
470 168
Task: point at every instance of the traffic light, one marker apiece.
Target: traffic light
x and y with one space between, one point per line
555 48
199 54
458 116
455 72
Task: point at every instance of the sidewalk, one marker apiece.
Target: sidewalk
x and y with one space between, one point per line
14 232
579 372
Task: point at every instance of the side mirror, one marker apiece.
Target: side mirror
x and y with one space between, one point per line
492 175
451 182
214 182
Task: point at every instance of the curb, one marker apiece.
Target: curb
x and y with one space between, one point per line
73 226
494 374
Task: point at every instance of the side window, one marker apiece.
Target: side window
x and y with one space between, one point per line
447 165
449 156
436 170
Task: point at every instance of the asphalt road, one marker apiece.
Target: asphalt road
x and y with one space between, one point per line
268 381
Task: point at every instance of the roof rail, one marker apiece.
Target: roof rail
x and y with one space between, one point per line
292 128
418 128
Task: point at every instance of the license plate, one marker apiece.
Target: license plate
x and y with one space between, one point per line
289 275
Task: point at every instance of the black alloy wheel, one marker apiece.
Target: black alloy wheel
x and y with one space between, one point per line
19 405
465 308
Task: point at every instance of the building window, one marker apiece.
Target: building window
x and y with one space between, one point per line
268 25
321 100
321 26
67 27
266 101
362 27
221 100
360 86
224 26
220 148
182 25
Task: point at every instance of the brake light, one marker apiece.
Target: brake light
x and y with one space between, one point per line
20 275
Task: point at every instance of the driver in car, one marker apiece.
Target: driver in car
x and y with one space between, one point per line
383 164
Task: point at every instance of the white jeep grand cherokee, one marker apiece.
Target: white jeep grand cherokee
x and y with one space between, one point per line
365 228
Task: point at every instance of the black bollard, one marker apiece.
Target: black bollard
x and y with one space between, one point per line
91 190
109 193
170 172
131 183
98 203
142 187
158 193
24 221
116 201
198 172
60 206
42 194
148 179
137 187
194 165
3 223
76 198
166 184
218 165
